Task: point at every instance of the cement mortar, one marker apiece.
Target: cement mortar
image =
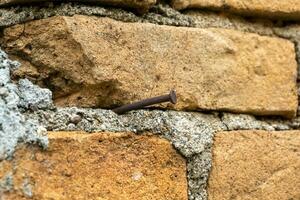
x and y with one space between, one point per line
14 126
159 14
33 97
249 122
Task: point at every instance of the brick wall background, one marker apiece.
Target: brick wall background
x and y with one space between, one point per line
233 134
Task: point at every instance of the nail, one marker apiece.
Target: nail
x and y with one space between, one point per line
171 97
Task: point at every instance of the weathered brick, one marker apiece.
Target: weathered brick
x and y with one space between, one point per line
100 62
141 5
287 9
98 166
255 165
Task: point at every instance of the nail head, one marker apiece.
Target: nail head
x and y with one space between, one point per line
173 96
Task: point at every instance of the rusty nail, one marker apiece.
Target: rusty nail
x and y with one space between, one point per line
171 97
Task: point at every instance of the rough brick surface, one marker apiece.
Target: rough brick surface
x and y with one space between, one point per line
141 5
255 165
99 62
98 166
268 8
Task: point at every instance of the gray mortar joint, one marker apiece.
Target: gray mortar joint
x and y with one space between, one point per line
14 99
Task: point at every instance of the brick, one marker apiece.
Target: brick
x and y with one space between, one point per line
116 166
99 62
255 165
141 6
287 9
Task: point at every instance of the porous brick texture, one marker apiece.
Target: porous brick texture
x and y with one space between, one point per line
99 62
255 165
98 166
287 9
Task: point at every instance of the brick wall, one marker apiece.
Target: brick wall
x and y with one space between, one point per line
233 133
